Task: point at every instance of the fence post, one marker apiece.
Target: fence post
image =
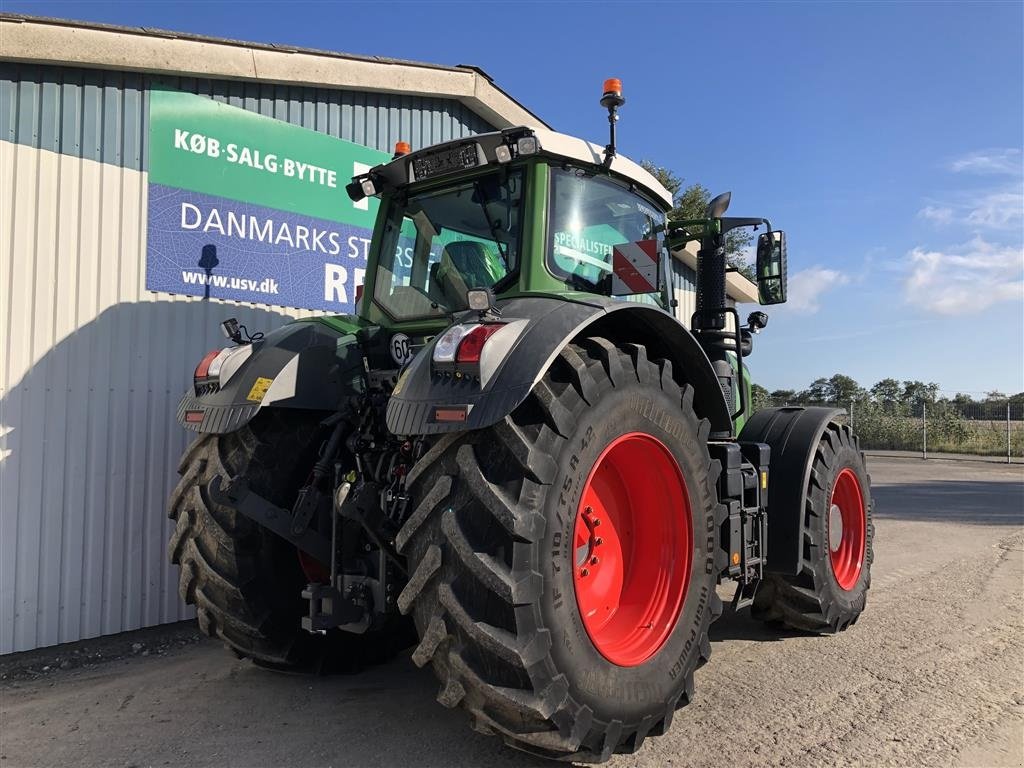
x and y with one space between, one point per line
1007 431
924 423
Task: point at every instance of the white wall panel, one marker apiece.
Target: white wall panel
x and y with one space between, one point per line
92 365
91 371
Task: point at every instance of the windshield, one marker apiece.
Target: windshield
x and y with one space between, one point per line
603 238
439 244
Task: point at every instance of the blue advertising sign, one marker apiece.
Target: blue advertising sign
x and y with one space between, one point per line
248 208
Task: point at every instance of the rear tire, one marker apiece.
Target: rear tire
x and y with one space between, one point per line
492 559
244 580
830 592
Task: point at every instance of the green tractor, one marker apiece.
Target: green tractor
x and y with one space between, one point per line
514 456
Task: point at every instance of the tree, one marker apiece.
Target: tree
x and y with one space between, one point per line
783 396
818 392
917 392
691 203
760 396
843 389
887 393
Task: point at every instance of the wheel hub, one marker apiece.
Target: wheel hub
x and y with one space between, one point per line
847 529
632 546
835 528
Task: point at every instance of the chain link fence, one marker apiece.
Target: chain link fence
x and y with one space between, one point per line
990 428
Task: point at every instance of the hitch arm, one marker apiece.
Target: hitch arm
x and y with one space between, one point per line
240 498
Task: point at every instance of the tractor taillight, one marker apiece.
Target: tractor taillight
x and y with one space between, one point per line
472 343
203 369
447 346
464 343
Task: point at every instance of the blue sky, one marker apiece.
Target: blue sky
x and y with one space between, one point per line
884 138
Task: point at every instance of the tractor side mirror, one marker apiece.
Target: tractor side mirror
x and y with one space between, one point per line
771 267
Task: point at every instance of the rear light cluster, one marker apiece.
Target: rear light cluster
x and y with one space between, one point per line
203 369
463 344
212 366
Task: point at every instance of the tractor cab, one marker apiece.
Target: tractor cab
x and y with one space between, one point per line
519 211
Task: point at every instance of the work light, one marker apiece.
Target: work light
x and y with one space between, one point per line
527 145
479 299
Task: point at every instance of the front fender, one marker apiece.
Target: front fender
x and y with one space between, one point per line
307 365
793 433
543 326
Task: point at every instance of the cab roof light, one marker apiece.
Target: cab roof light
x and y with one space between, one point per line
611 100
612 87
503 153
401 148
527 145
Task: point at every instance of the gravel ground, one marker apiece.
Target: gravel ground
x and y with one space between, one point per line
933 674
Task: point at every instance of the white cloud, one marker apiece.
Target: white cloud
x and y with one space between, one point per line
938 214
966 279
807 286
998 207
998 210
989 161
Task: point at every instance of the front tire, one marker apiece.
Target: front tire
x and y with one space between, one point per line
830 592
496 550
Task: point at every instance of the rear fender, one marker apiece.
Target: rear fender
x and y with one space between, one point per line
516 358
793 432
306 365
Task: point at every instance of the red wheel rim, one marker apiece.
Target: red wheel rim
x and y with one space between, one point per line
633 543
847 529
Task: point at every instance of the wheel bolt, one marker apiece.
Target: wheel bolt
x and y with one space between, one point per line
588 510
584 572
597 521
598 541
594 560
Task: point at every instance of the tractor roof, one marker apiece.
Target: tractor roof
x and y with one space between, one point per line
496 147
573 148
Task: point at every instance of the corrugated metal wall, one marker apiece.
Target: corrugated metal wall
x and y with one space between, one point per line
104 115
92 364
684 288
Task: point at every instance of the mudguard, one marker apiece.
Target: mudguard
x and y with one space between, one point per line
793 432
515 358
306 364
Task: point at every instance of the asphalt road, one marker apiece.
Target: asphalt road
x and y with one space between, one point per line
932 674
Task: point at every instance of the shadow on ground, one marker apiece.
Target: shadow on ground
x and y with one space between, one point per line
952 501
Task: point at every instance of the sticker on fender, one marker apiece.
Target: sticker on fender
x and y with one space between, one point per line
259 390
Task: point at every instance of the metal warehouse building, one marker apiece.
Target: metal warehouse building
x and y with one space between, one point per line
93 362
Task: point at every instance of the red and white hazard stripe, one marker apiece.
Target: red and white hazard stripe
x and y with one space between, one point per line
635 267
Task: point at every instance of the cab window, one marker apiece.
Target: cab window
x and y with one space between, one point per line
603 238
439 244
